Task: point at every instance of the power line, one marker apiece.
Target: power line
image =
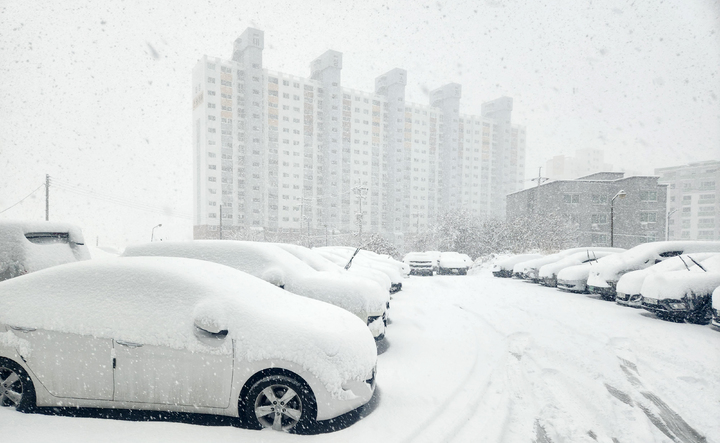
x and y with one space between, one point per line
66 186
10 207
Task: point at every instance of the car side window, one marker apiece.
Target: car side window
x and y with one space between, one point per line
668 254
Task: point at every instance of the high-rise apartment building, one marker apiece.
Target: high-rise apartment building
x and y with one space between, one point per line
584 162
693 200
281 153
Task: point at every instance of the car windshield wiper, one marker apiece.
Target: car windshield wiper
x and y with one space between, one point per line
699 265
686 266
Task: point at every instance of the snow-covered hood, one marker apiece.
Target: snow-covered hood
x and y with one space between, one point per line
611 268
158 300
675 285
507 264
631 283
577 258
276 266
375 275
575 273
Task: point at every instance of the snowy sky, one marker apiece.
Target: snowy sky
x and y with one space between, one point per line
99 95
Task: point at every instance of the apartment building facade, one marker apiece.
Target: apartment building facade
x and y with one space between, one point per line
281 153
693 200
638 217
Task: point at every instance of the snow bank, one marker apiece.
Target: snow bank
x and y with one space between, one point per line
155 301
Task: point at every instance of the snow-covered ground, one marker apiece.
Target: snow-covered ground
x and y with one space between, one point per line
477 358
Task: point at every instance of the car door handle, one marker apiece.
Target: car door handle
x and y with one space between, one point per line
22 329
129 344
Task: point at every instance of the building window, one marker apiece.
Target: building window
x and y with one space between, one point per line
599 219
571 198
211 80
648 217
705 199
648 196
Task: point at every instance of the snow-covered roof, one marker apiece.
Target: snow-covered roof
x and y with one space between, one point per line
157 300
576 258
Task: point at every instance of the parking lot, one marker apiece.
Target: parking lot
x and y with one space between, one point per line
477 358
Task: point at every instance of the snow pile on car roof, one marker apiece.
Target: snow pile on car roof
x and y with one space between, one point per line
277 266
155 301
19 253
631 283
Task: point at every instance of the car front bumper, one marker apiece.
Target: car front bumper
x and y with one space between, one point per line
631 300
605 292
549 281
572 285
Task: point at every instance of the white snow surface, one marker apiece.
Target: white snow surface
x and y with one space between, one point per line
631 283
611 268
18 250
464 364
575 259
157 301
277 266
391 267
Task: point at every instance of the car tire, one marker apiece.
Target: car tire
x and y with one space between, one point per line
16 387
281 403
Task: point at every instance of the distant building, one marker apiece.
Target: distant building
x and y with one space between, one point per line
693 201
275 152
585 162
639 216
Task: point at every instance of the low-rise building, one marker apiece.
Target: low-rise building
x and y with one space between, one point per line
587 203
693 202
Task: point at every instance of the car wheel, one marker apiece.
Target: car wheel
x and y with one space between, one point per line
281 403
16 387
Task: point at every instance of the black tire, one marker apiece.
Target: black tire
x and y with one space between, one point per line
16 387
262 407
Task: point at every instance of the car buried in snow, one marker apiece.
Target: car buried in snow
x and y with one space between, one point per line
369 259
629 286
421 263
29 246
504 268
548 274
183 335
604 277
267 261
530 270
453 263
683 295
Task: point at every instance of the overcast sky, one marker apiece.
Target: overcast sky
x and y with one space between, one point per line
99 97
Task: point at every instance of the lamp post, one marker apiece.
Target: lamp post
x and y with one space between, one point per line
667 225
620 194
152 235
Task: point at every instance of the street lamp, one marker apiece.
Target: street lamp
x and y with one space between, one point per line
152 236
667 225
620 194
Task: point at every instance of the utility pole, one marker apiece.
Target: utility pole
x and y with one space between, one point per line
540 179
359 191
47 197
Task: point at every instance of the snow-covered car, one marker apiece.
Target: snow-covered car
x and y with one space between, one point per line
435 256
504 268
370 259
683 295
629 286
174 334
716 307
421 263
277 266
375 275
530 270
603 278
548 273
29 246
453 263
574 278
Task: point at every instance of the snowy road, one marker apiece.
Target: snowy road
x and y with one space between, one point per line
476 358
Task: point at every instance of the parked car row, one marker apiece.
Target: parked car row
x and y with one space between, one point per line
435 262
674 279
274 334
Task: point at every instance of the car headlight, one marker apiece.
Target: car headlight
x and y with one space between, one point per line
678 305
